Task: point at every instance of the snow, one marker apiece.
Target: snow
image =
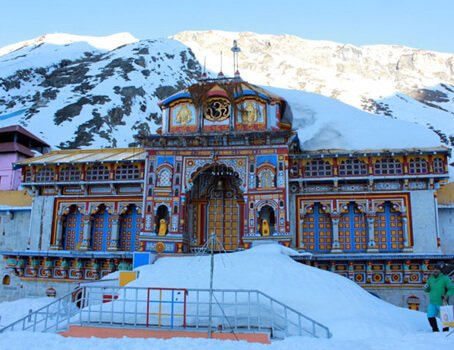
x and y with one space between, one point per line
357 319
107 43
10 311
39 341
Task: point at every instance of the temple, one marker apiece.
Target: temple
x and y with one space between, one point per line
227 162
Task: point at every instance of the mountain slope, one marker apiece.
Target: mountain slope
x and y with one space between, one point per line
78 91
73 94
394 81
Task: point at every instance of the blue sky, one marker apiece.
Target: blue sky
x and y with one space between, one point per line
416 23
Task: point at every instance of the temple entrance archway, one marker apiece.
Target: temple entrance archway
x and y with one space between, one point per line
216 205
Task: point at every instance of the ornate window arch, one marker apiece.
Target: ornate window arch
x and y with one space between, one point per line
70 173
418 166
318 167
45 174
164 178
266 176
97 173
351 167
388 166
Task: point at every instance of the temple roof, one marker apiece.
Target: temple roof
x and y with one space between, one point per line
234 90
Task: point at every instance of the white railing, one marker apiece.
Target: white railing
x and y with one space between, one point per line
232 310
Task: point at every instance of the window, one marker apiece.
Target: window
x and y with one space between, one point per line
45 174
318 167
439 167
127 172
417 166
97 173
28 175
388 166
352 167
165 178
70 173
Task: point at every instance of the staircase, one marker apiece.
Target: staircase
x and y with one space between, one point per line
233 311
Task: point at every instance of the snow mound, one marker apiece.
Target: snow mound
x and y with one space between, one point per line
326 123
335 301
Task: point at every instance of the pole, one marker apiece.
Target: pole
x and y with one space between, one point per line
210 305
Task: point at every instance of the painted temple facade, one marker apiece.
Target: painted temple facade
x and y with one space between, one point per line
227 163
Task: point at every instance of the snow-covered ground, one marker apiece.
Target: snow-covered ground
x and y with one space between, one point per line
358 320
10 311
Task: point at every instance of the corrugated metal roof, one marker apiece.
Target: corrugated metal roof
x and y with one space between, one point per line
15 199
87 156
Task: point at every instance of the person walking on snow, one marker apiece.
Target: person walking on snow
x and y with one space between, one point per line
439 287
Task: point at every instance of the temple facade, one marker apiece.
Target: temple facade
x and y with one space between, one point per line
227 164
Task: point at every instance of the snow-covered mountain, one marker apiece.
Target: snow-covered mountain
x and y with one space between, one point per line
394 81
76 91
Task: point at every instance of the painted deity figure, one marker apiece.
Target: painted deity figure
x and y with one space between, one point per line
249 113
265 228
184 115
162 227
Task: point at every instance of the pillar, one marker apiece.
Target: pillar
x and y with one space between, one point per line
407 248
371 245
59 233
335 223
115 237
87 219
301 244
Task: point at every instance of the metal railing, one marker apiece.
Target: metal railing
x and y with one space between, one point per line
233 310
54 317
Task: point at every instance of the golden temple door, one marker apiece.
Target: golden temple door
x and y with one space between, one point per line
223 219
215 206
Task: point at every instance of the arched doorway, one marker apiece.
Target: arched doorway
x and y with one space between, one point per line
162 220
216 205
131 223
267 221
73 228
101 229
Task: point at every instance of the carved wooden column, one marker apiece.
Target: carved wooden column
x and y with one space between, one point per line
302 214
114 239
371 245
87 219
407 247
59 232
335 222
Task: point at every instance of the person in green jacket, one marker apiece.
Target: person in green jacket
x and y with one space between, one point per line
439 287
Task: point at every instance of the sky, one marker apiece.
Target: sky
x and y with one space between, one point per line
415 23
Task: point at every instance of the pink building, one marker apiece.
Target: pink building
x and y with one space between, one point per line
16 144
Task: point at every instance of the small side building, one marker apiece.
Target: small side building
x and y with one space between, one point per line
16 144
